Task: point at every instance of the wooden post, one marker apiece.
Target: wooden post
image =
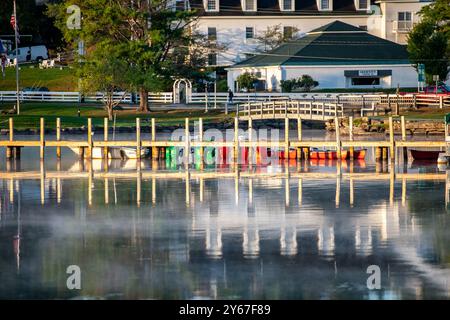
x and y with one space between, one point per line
350 128
11 129
378 153
306 153
250 139
89 150
9 152
105 137
236 140
200 138
391 138
385 153
58 137
154 149
42 139
286 139
138 138
186 142
299 134
405 149
338 137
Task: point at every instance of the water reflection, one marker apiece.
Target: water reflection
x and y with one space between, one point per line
300 231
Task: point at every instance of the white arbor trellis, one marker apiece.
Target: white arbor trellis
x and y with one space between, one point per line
177 85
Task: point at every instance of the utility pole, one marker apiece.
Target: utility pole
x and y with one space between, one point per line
17 59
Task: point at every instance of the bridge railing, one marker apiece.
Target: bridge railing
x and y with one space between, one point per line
291 109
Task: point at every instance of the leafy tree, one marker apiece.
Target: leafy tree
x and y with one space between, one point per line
274 36
304 83
307 83
428 42
105 71
148 33
246 80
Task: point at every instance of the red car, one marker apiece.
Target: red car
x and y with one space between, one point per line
441 89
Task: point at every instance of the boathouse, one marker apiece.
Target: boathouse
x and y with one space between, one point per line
337 55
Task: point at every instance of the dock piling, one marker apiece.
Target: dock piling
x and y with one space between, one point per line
338 137
299 135
58 137
405 149
350 128
89 150
42 139
105 137
138 138
391 138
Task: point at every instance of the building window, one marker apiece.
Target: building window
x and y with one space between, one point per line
212 33
404 20
249 33
288 5
363 4
212 59
212 5
249 5
325 5
363 28
365 81
288 32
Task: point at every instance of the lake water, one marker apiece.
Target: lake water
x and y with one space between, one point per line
247 233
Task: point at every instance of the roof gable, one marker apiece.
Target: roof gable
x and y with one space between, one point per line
332 47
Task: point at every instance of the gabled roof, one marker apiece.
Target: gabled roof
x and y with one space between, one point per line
272 8
337 43
336 26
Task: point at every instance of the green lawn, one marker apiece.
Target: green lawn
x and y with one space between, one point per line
54 79
32 112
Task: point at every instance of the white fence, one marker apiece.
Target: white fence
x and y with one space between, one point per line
162 97
348 100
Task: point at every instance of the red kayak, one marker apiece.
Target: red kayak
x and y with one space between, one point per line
425 155
322 155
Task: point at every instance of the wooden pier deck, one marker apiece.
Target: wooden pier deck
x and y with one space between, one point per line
383 147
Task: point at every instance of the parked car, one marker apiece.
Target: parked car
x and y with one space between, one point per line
440 89
30 54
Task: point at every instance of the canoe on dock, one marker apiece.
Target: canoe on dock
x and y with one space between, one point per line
425 155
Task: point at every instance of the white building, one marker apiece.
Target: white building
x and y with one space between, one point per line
337 55
235 23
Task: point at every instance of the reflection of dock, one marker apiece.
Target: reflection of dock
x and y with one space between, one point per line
286 177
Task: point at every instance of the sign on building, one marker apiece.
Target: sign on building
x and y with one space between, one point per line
368 73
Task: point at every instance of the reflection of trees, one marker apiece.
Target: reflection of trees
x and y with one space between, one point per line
426 202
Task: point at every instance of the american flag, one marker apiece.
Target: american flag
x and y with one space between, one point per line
14 23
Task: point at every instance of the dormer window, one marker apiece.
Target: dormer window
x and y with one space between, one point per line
211 5
325 5
248 5
362 4
287 5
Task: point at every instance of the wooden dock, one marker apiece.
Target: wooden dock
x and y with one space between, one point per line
384 148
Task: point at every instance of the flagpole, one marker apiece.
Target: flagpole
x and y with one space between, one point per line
17 59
